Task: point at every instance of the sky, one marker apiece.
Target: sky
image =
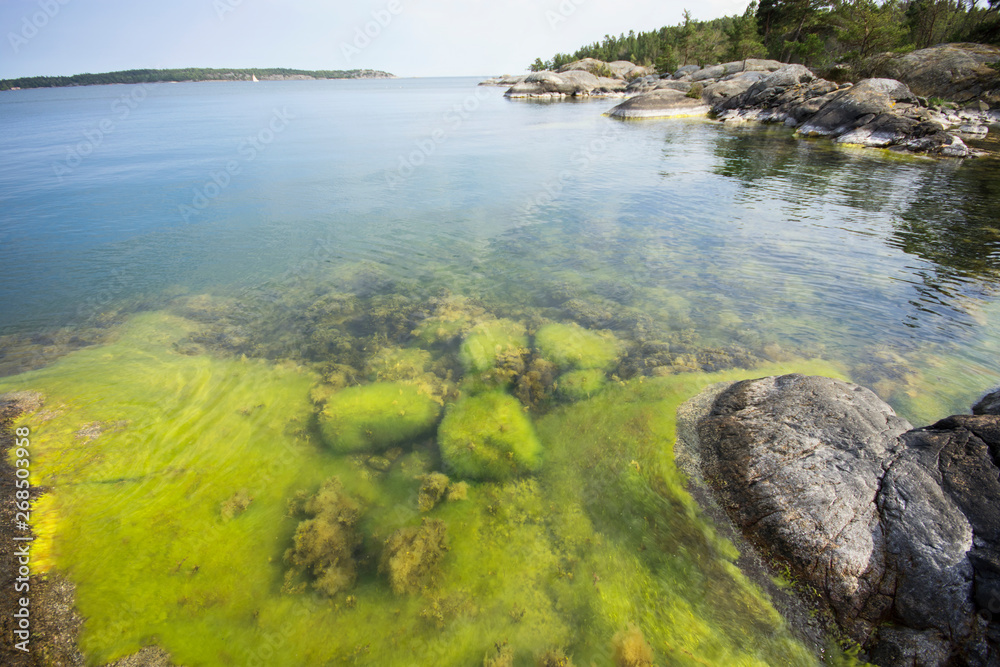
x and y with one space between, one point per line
405 37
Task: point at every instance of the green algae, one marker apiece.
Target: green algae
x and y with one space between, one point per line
572 346
602 539
582 384
488 436
489 342
377 416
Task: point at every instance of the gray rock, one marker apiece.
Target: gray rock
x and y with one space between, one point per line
797 462
988 404
592 65
660 104
789 95
569 83
716 93
856 106
684 71
887 524
644 85
956 72
506 80
726 69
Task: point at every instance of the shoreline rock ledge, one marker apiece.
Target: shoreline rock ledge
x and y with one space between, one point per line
897 530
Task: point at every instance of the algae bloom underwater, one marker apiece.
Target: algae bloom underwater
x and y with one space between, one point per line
326 423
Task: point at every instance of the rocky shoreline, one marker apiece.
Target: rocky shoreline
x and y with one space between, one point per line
930 101
894 530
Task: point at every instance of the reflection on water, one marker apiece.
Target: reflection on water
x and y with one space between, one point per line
200 354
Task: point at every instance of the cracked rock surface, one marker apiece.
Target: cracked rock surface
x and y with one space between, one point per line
897 529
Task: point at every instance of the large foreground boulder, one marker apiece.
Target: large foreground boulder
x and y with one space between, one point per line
660 104
955 72
898 530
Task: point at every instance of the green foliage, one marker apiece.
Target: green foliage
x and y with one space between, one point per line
697 89
572 346
576 385
744 40
488 436
816 33
865 27
377 416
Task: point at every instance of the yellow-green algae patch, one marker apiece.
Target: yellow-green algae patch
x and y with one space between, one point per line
572 346
141 448
488 341
377 416
488 436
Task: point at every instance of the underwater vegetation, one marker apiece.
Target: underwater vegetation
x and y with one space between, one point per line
325 543
577 385
248 502
412 556
377 416
488 437
488 342
572 346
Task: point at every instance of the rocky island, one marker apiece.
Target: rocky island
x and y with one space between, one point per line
929 101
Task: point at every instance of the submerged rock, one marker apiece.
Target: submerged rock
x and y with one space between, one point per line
489 437
572 346
887 523
377 416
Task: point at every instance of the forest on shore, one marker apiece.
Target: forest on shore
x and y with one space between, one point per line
179 75
815 33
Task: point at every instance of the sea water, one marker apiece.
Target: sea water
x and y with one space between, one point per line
191 271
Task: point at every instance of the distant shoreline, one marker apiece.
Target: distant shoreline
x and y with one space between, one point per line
188 75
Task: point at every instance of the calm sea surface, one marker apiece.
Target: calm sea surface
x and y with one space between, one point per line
703 248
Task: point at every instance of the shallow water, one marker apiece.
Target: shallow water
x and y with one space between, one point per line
187 325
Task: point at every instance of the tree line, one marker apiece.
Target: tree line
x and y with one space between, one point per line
816 33
173 75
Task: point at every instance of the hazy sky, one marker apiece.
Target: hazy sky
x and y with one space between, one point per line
411 37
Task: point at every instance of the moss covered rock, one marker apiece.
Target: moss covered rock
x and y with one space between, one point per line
577 385
572 346
489 342
488 436
377 416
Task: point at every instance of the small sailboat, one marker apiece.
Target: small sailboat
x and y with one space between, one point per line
254 77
